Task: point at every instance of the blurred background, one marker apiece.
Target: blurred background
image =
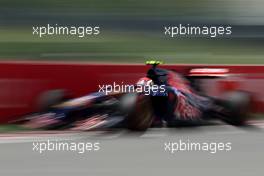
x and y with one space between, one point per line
133 30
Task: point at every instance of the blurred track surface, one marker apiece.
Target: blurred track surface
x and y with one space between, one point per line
123 153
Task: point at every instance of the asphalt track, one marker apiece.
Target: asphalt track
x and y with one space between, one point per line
124 153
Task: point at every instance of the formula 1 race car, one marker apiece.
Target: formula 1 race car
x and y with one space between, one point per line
161 98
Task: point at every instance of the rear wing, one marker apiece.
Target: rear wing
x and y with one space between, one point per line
208 72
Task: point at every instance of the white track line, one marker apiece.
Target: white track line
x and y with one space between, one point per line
37 136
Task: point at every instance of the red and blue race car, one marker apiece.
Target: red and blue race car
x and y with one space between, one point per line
163 98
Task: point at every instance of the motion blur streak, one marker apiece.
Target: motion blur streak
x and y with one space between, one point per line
132 31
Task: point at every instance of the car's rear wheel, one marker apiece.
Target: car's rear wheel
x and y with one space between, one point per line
237 107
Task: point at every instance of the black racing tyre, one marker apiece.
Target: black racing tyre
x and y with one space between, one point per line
237 105
140 115
50 98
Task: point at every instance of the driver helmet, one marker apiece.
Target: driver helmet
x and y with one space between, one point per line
145 81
